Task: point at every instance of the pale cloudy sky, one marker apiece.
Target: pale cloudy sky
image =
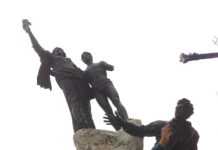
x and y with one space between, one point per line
142 39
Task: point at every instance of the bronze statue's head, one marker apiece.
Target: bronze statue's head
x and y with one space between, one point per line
57 51
87 57
184 109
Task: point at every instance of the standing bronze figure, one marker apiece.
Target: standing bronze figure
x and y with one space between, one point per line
96 75
69 78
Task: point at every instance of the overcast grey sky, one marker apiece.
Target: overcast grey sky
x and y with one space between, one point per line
142 39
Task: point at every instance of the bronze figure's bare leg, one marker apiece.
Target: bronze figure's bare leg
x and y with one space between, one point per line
104 104
114 97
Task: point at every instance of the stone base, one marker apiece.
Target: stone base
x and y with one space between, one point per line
94 139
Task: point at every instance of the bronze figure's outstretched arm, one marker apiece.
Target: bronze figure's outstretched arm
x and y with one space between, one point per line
46 58
107 66
184 58
37 47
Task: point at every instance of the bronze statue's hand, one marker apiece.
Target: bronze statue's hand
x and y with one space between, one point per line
111 68
110 119
26 25
114 120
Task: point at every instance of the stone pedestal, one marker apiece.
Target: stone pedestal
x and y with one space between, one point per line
95 139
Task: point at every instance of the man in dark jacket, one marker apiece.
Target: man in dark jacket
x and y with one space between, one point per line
183 135
69 78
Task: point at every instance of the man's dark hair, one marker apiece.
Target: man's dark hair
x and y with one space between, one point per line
58 48
85 53
188 106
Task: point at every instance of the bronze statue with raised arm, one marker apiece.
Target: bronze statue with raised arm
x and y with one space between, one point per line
70 79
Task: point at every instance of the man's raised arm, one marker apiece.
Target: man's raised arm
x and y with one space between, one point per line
37 47
43 77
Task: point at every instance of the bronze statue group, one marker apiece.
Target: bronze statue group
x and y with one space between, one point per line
79 87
